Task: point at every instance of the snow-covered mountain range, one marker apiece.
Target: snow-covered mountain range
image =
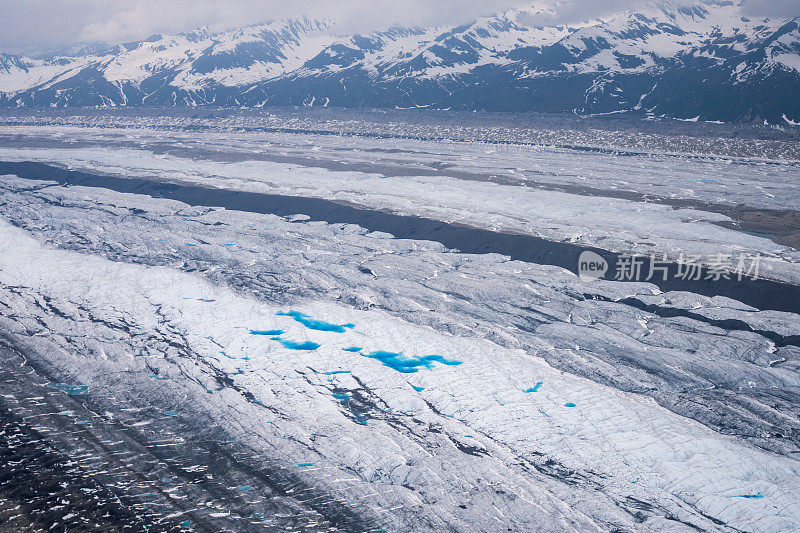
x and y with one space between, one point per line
707 62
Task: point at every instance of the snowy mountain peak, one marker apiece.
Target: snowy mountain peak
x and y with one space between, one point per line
519 59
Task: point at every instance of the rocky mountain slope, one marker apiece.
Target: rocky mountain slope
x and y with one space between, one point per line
708 62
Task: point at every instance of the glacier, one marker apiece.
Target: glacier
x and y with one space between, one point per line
229 369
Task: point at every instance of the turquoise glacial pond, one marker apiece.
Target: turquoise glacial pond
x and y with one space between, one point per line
312 323
267 332
535 387
409 365
292 345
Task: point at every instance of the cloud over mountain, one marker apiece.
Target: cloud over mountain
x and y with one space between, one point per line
40 24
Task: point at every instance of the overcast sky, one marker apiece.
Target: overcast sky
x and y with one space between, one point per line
28 25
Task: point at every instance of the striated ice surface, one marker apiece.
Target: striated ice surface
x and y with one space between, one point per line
637 202
611 447
506 436
222 370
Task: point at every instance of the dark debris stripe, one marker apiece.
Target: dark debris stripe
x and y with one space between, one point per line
763 294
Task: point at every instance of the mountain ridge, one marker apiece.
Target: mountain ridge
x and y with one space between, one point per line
705 62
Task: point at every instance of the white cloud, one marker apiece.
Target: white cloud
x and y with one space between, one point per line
772 8
137 18
27 24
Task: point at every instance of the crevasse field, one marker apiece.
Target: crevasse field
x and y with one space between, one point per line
169 363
